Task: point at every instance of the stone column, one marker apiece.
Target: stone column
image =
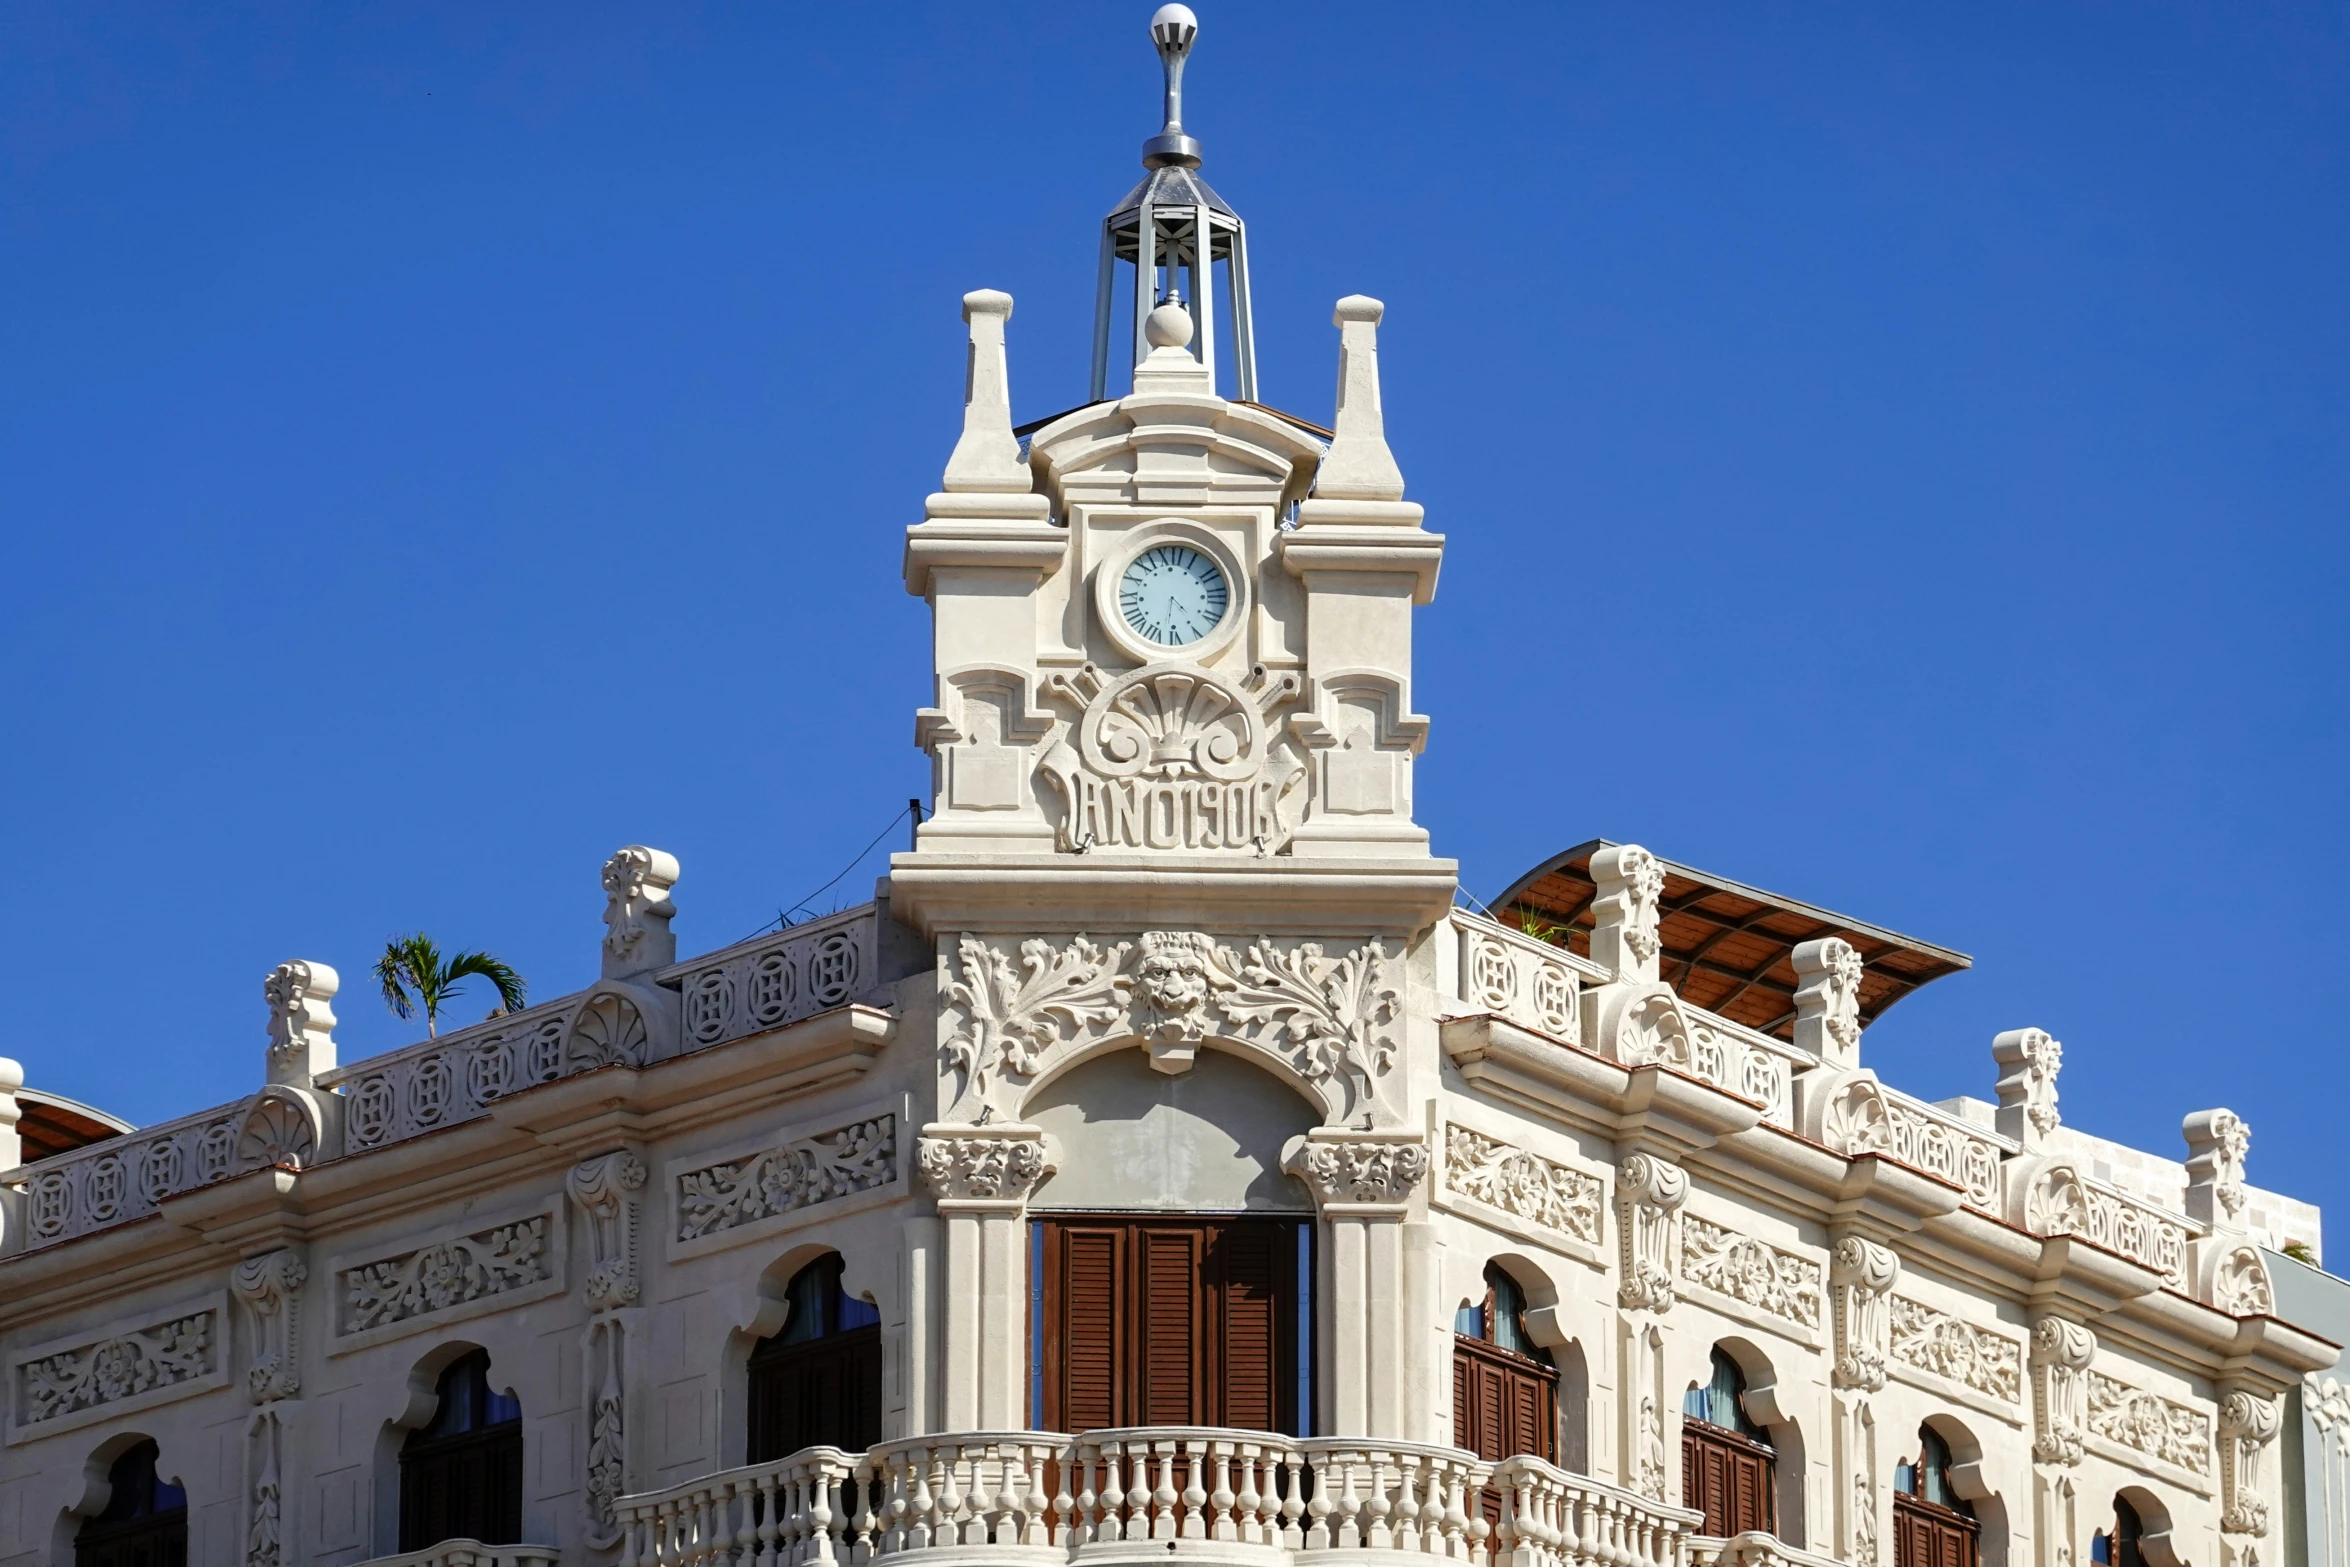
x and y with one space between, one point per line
2061 1354
1860 1277
982 1177
269 1288
1376 1290
1649 1195
607 1192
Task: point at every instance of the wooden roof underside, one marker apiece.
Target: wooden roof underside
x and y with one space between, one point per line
1728 948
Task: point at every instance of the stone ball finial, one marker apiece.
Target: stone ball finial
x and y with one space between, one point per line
1169 326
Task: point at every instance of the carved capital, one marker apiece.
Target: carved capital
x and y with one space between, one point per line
269 1288
1649 1195
1827 1000
1360 1175
1626 911
606 1191
2217 1141
301 1023
1860 1275
637 911
2028 1063
982 1167
2061 1354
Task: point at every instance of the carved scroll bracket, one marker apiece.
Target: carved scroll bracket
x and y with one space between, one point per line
2061 1355
1649 1196
2248 1423
1861 1274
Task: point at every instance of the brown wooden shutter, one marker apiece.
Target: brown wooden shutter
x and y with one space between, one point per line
1254 1260
1173 1347
1087 1305
1504 1404
1726 1477
1925 1535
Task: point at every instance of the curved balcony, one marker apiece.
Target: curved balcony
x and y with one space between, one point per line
1041 1499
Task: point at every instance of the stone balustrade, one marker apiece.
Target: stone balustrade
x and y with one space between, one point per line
1752 1549
777 978
472 1553
1856 1114
1030 1496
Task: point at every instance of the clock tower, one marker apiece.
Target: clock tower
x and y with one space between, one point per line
1172 632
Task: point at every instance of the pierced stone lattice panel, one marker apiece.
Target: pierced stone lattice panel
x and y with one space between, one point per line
778 979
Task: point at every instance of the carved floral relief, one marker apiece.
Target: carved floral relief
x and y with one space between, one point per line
802 1172
2150 1424
1761 1275
1990 1363
109 1370
1499 1175
446 1274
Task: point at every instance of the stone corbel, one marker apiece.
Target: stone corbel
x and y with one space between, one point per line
2248 1422
607 1190
301 1022
2060 1358
983 1169
269 1287
1358 1174
637 911
1649 1196
1861 1273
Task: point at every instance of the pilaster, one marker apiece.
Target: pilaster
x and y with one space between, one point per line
982 1177
1376 1285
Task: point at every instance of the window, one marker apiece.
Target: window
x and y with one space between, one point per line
461 1476
1933 1526
1726 1465
2120 1547
817 1383
145 1523
1504 1386
1148 1321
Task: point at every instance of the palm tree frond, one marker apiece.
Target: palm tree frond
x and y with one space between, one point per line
407 971
510 987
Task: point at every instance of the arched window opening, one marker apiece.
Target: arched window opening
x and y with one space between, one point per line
817 1383
1933 1526
461 1475
1727 1468
145 1523
1504 1385
2119 1546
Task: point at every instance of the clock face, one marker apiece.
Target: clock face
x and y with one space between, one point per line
1173 595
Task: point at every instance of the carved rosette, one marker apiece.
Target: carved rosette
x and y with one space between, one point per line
2061 1353
606 1190
2247 1424
982 1167
269 1288
1649 1195
1861 1274
1361 1175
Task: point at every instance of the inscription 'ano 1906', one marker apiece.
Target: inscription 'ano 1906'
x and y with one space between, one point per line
1173 757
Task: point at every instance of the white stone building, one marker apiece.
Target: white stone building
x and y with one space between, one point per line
1165 1164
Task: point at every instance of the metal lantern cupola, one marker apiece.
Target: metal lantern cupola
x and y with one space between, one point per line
1172 224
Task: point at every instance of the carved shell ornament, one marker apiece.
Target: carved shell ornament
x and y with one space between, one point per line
1325 1015
1173 756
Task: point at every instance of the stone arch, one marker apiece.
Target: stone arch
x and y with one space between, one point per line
89 1491
1968 1479
1547 1326
1764 1407
863 1275
1329 1097
1209 1139
418 1400
2155 1544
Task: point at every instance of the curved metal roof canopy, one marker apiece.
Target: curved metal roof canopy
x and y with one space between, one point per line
1729 947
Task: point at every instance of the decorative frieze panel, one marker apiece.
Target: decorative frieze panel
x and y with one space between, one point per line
124 1178
1864 1116
1325 1014
1548 1195
2149 1424
2059 1201
116 1371
792 1175
778 979
1173 756
1973 1357
502 1260
1778 1283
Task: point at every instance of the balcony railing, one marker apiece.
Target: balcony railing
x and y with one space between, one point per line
1039 1497
472 1553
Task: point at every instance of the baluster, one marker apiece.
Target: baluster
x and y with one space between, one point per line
924 1508
1062 1459
1350 1504
1320 1534
1138 1489
1195 1494
1377 1535
1452 1514
1417 1470
1084 1525
1293 1498
1162 1500
950 1496
824 1514
1249 1525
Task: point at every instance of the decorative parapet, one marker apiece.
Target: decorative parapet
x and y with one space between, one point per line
1626 912
70 1382
637 911
1508 974
2053 1198
124 1178
2028 1063
1857 1114
1827 1000
1642 1023
777 979
453 1079
2217 1141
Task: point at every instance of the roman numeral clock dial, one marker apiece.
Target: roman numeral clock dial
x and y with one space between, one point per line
1173 595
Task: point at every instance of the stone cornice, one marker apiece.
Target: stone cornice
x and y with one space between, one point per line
1070 893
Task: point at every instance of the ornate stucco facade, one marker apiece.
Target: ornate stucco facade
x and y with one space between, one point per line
1172 942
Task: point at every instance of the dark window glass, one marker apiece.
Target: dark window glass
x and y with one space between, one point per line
2127 1531
461 1474
1722 1400
817 1383
1933 1526
145 1523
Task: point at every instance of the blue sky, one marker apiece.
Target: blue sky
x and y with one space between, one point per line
1892 455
